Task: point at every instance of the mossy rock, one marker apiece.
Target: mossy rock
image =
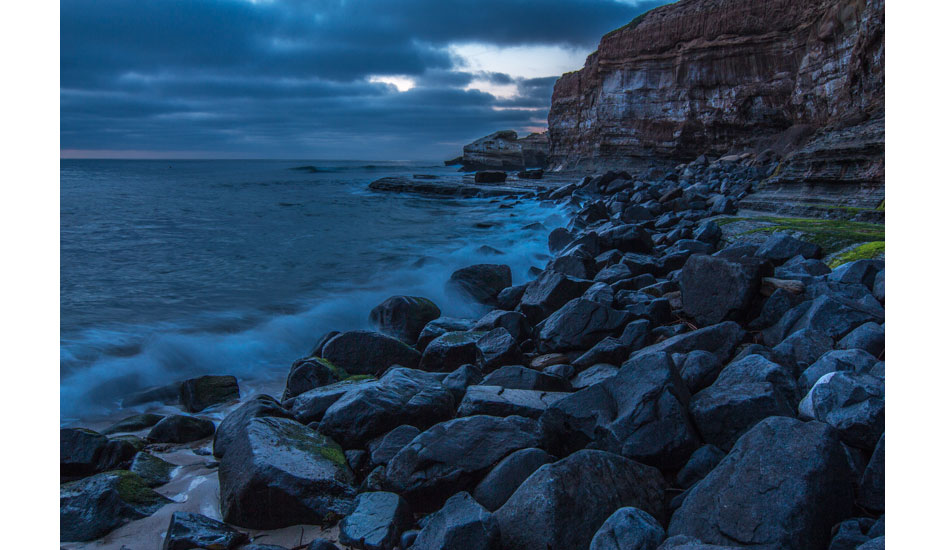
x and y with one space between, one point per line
831 235
197 394
867 251
153 470
92 507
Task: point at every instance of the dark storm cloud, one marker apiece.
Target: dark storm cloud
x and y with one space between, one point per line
291 78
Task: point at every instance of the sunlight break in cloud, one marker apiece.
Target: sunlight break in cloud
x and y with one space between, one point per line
402 83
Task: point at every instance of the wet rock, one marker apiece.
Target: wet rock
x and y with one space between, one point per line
508 299
747 391
558 239
385 447
626 238
80 451
834 361
505 478
187 531
850 534
134 423
515 323
521 378
490 176
179 428
377 520
610 350
878 288
312 372
168 394
482 282
640 413
401 396
562 505
404 317
784 485
461 523
590 376
868 337
322 544
716 289
229 428
871 488
699 370
153 470
279 473
497 348
579 324
92 507
860 272
460 379
499 401
454 455
721 340
312 405
197 394
802 348
831 315
440 326
850 402
450 351
628 529
548 293
780 248
703 461
367 352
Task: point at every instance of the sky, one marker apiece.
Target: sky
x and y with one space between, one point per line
320 79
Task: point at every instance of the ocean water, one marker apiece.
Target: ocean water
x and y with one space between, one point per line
172 269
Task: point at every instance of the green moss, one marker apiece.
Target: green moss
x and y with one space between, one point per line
880 207
133 489
334 454
339 372
359 378
137 442
831 235
866 251
312 442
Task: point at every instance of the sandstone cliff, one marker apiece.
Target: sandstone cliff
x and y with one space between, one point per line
801 80
503 150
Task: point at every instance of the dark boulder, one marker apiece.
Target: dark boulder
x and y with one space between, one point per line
593 375
187 531
699 370
497 348
852 403
385 447
558 239
831 315
450 351
516 377
868 337
548 293
234 423
629 529
640 413
490 176
626 238
802 348
851 360
562 505
153 470
514 322
746 391
499 401
322 544
871 488
179 428
461 524
312 405
579 324
168 394
454 455
80 451
309 373
505 478
610 350
440 326
785 484
367 352
404 317
878 288
197 394
780 248
859 272
716 289
92 507
377 520
721 340
482 282
134 423
279 473
703 461
401 396
460 379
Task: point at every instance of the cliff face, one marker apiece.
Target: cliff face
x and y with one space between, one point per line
504 151
699 76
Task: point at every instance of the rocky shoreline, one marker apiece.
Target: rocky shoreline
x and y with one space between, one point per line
679 375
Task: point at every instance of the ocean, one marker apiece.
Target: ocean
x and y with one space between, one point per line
174 269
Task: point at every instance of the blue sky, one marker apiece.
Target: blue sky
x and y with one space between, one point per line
346 79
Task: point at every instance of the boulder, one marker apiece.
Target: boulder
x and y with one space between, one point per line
785 484
871 487
490 176
499 401
579 324
401 396
450 351
453 456
748 390
385 447
851 360
852 403
831 315
80 451
234 423
404 317
312 405
628 529
802 348
590 376
562 505
460 379
703 461
558 239
548 293
377 520
153 470
626 238
505 478
497 348
309 373
367 352
179 428
514 322
868 337
779 248
482 282
721 340
640 413
133 423
610 350
715 289
440 326
92 507
859 272
461 524
516 377
279 473
322 544
197 394
187 531
878 288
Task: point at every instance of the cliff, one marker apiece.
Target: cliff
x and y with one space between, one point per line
503 150
792 80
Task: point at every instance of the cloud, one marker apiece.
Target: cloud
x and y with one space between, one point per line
296 78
